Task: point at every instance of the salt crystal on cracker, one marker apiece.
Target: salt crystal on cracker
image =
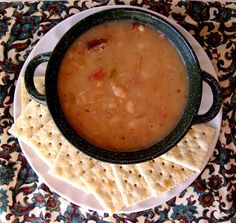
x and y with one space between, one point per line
192 150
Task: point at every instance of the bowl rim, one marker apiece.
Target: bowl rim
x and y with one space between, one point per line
80 143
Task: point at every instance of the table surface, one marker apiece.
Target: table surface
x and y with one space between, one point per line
210 198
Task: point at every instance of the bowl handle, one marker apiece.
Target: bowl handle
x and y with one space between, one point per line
29 77
217 99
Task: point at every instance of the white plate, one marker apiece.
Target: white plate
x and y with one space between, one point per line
47 43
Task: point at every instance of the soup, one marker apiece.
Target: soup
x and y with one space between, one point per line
122 86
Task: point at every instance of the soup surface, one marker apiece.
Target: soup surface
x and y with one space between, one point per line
122 86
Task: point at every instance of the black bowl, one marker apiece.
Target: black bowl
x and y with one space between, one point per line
195 81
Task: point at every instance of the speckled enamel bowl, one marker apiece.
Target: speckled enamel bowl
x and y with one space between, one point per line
195 82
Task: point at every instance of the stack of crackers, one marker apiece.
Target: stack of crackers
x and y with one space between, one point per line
114 186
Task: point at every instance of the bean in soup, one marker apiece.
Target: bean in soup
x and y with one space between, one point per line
122 86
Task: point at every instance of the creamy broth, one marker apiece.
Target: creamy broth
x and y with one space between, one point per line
122 86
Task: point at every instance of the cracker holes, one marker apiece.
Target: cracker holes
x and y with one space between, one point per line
139 176
150 171
182 169
153 161
49 143
104 170
163 164
29 116
135 185
173 166
67 154
121 167
130 171
60 144
125 181
49 154
80 161
203 133
170 176
160 174
83 172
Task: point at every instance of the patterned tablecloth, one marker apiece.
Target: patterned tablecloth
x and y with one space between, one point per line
23 196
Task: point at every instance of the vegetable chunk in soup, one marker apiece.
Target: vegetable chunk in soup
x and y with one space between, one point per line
122 86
